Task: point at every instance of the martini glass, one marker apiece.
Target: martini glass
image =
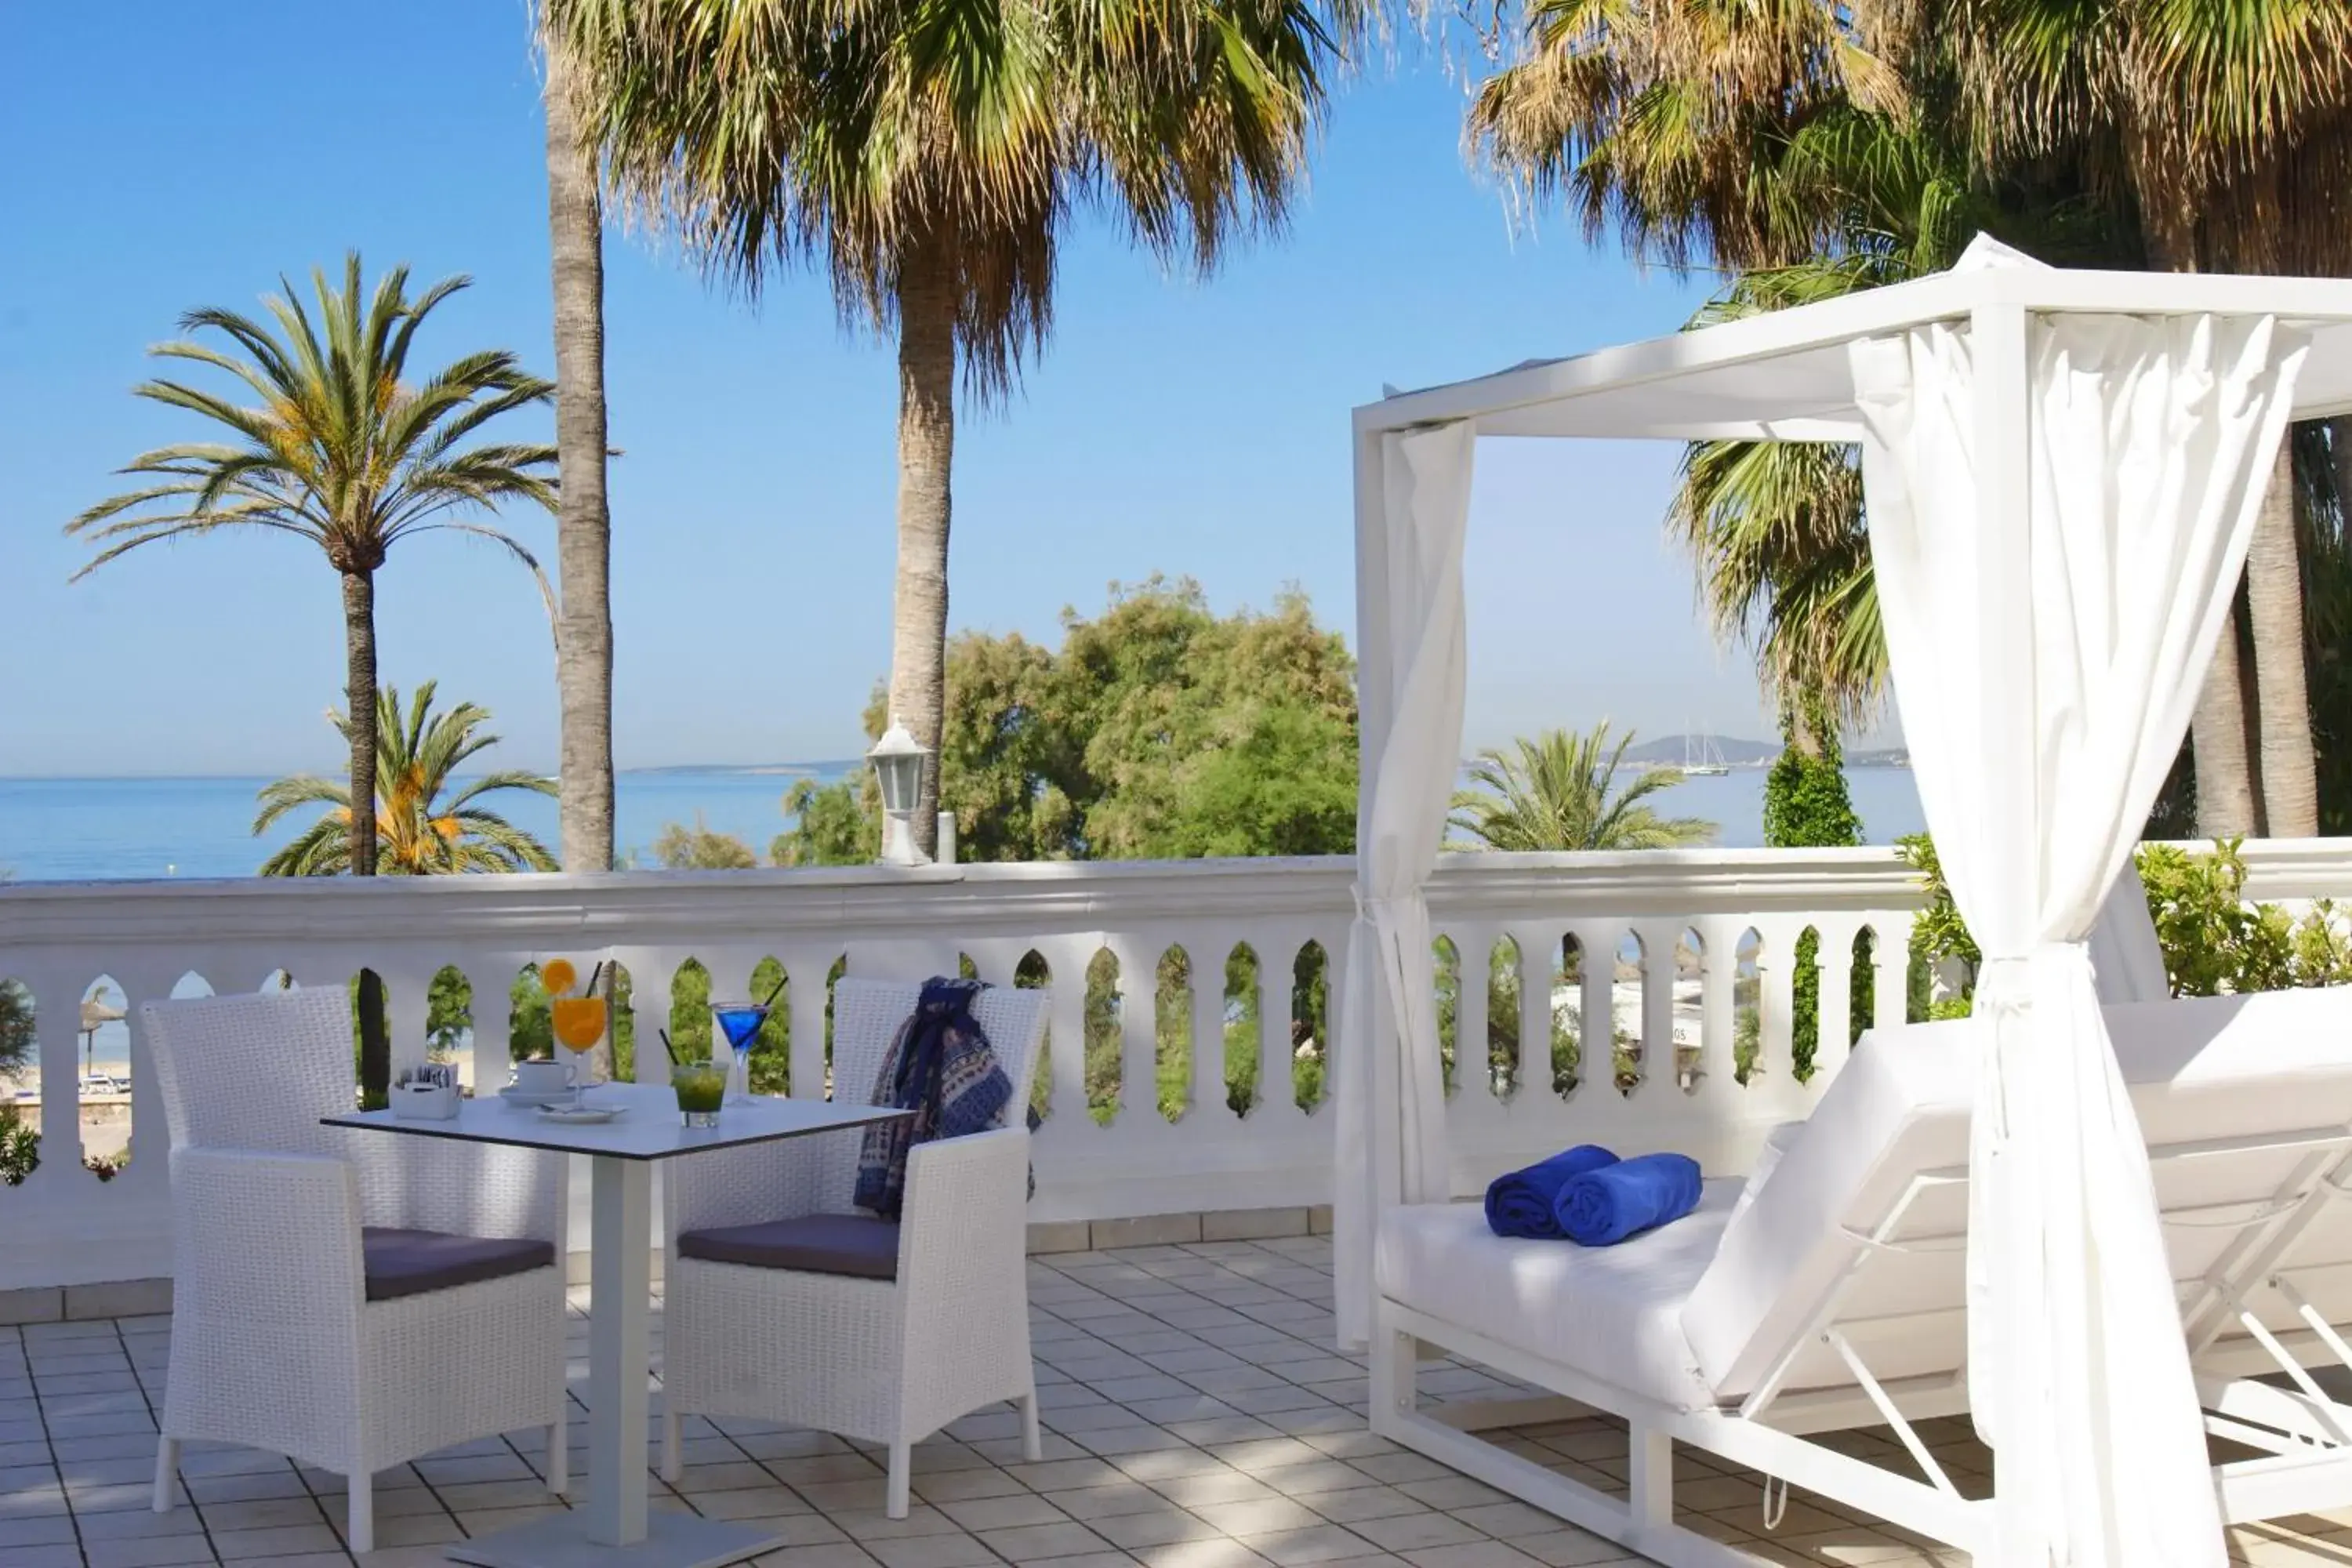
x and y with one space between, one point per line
739 1022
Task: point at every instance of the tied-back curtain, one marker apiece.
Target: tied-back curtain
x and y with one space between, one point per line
2042 708
1424 506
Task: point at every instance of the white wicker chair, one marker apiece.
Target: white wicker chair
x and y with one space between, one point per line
880 1359
275 1342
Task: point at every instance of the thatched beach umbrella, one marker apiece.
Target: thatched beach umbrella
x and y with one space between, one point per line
96 1013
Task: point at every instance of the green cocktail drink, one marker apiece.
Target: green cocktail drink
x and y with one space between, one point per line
701 1090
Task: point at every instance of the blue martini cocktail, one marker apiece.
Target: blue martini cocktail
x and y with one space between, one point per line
739 1022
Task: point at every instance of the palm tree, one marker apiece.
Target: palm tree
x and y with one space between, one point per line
928 159
1809 149
2230 129
1775 142
418 832
343 449
1676 119
583 526
1559 790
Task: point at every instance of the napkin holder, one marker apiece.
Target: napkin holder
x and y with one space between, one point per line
429 1099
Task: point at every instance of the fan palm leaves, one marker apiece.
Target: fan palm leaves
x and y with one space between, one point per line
1808 149
2228 125
344 447
1674 119
421 828
1560 791
928 158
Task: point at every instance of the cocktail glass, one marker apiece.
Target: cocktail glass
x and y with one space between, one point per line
579 1024
740 1022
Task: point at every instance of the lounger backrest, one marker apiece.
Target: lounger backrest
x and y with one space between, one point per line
1894 1126
2125 954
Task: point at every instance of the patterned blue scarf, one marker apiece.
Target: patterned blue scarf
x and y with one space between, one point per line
943 1069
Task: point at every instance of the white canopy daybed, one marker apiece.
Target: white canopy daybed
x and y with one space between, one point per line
2063 470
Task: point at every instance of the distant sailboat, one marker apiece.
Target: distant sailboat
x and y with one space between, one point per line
1704 760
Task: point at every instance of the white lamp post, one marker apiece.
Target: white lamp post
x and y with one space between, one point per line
898 760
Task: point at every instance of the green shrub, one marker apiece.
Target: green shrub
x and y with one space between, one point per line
2214 941
20 1146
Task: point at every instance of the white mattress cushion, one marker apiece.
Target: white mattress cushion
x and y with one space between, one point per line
2200 1069
1611 1312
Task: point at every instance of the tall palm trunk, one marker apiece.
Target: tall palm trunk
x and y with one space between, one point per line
919 627
2274 606
359 695
358 698
2226 807
583 635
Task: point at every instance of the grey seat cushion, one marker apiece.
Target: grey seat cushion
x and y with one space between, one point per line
410 1262
811 1244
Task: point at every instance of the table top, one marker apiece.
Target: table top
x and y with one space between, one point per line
647 1128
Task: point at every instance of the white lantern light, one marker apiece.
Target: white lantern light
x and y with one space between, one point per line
898 760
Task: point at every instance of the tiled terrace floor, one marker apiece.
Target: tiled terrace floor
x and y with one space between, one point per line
1195 1416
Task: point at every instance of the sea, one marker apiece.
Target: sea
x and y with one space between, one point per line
137 829
109 829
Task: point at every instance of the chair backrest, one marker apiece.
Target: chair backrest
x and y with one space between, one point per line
867 1015
2229 1090
255 1071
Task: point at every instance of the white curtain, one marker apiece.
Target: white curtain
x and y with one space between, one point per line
2043 700
1423 505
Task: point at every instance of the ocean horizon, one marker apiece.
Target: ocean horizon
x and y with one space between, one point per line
141 828
144 829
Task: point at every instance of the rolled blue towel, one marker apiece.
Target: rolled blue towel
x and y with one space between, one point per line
1602 1207
1521 1203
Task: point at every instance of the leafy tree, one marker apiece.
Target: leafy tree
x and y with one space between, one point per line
19 1041
1806 805
1806 802
832 826
1560 791
699 848
1204 735
345 449
417 831
929 162
1158 730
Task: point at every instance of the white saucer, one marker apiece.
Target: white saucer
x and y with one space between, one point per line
514 1095
579 1115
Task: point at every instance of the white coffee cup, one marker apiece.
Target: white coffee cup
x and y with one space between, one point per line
543 1078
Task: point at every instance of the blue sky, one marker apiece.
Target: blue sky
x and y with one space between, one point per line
165 156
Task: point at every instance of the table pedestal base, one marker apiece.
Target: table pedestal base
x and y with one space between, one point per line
672 1540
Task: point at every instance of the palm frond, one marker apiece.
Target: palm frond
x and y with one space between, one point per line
425 824
1559 790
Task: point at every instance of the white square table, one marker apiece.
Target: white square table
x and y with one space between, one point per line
615 1529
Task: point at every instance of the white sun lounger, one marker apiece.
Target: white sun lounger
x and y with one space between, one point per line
1830 1294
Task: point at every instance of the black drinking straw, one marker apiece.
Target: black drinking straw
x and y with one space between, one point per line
593 976
779 991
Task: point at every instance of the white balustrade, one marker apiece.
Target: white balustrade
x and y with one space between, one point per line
1716 931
